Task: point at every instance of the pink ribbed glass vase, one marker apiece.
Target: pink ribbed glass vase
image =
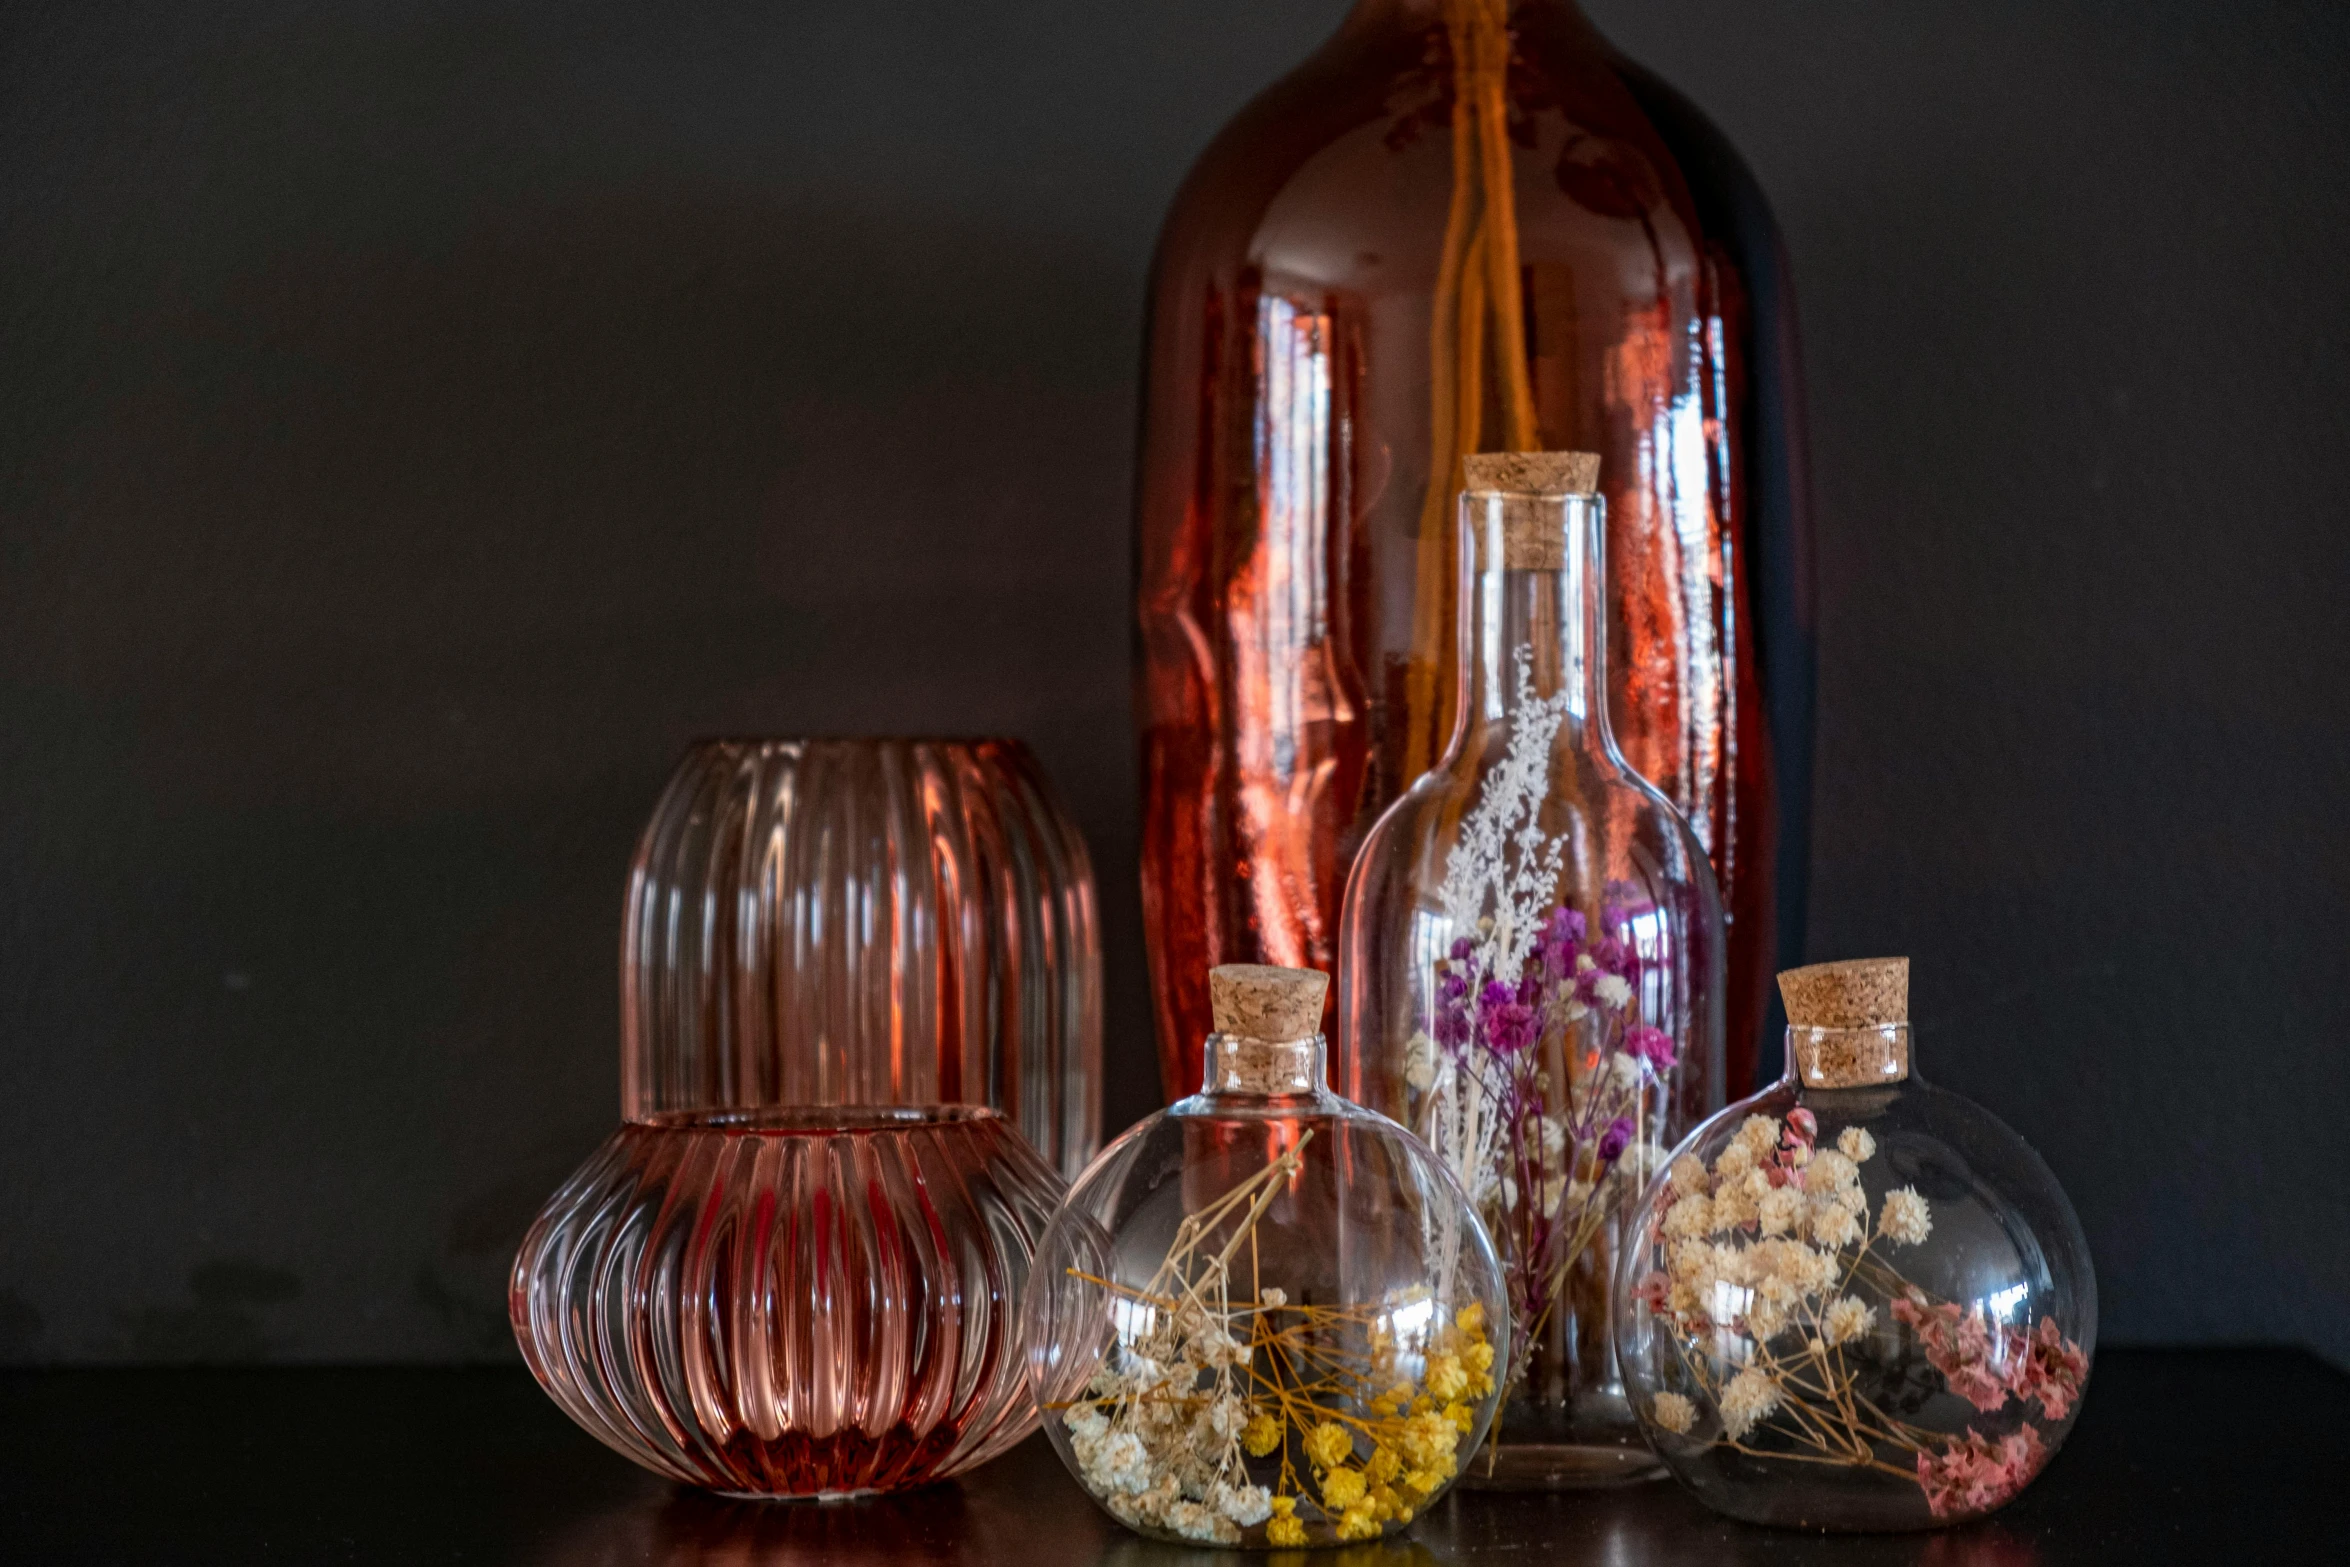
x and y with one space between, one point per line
791 1302
854 973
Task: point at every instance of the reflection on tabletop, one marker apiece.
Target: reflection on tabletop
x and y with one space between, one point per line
1024 1509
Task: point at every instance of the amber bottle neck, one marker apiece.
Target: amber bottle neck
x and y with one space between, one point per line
1420 13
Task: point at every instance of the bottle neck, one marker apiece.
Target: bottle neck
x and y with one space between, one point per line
1239 1067
1421 13
1872 1056
1533 616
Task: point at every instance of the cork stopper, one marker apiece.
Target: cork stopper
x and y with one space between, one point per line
1855 993
1848 1023
1258 1001
1533 473
1528 486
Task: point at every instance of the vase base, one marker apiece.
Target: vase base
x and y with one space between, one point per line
815 1498
1559 1466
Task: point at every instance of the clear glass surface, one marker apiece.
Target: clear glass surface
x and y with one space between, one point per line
1533 858
791 1303
1462 225
1879 1315
1265 1319
865 922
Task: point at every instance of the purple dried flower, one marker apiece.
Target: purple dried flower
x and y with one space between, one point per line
1654 1046
1615 1139
1463 949
1510 1024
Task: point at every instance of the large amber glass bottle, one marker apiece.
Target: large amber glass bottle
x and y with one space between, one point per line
1462 226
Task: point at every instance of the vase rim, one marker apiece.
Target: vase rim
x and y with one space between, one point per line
817 1120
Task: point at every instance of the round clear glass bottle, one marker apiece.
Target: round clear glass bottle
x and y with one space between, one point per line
1265 1317
1531 964
1856 1301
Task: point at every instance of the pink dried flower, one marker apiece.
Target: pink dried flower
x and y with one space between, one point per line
1652 1045
2049 1367
1803 1126
1974 1474
1960 1347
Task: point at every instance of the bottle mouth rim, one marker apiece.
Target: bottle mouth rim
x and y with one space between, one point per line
815 1120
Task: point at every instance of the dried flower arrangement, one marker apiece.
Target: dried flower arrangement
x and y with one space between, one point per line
1772 1292
1231 1416
1548 1142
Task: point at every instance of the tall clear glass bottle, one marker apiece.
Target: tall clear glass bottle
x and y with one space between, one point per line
1531 964
1461 226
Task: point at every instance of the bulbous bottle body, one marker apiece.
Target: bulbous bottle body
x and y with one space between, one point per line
1265 1320
1530 973
1461 226
1856 1307
791 1303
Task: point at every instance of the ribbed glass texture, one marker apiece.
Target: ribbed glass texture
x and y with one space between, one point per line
791 1302
864 922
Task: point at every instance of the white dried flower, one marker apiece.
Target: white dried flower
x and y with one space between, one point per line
1086 1422
1613 990
1274 1297
1692 1215
1734 1161
1832 1224
1691 1262
1120 1465
1689 1177
1765 1319
1857 1144
1419 1061
1759 1134
1194 1521
1553 1138
1625 1069
1781 1211
1830 1171
1675 1413
1499 877
1735 1204
1245 1505
1748 1399
1848 1318
1905 1220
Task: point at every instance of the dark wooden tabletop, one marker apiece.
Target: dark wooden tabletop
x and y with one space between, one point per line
2205 1456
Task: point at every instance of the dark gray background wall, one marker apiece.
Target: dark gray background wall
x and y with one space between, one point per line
418 420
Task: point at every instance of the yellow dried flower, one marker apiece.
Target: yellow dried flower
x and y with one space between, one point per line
1446 1380
1472 1320
1285 1530
1329 1445
1342 1488
1283 1506
1358 1524
1461 1415
1261 1435
1430 1480
1383 1467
